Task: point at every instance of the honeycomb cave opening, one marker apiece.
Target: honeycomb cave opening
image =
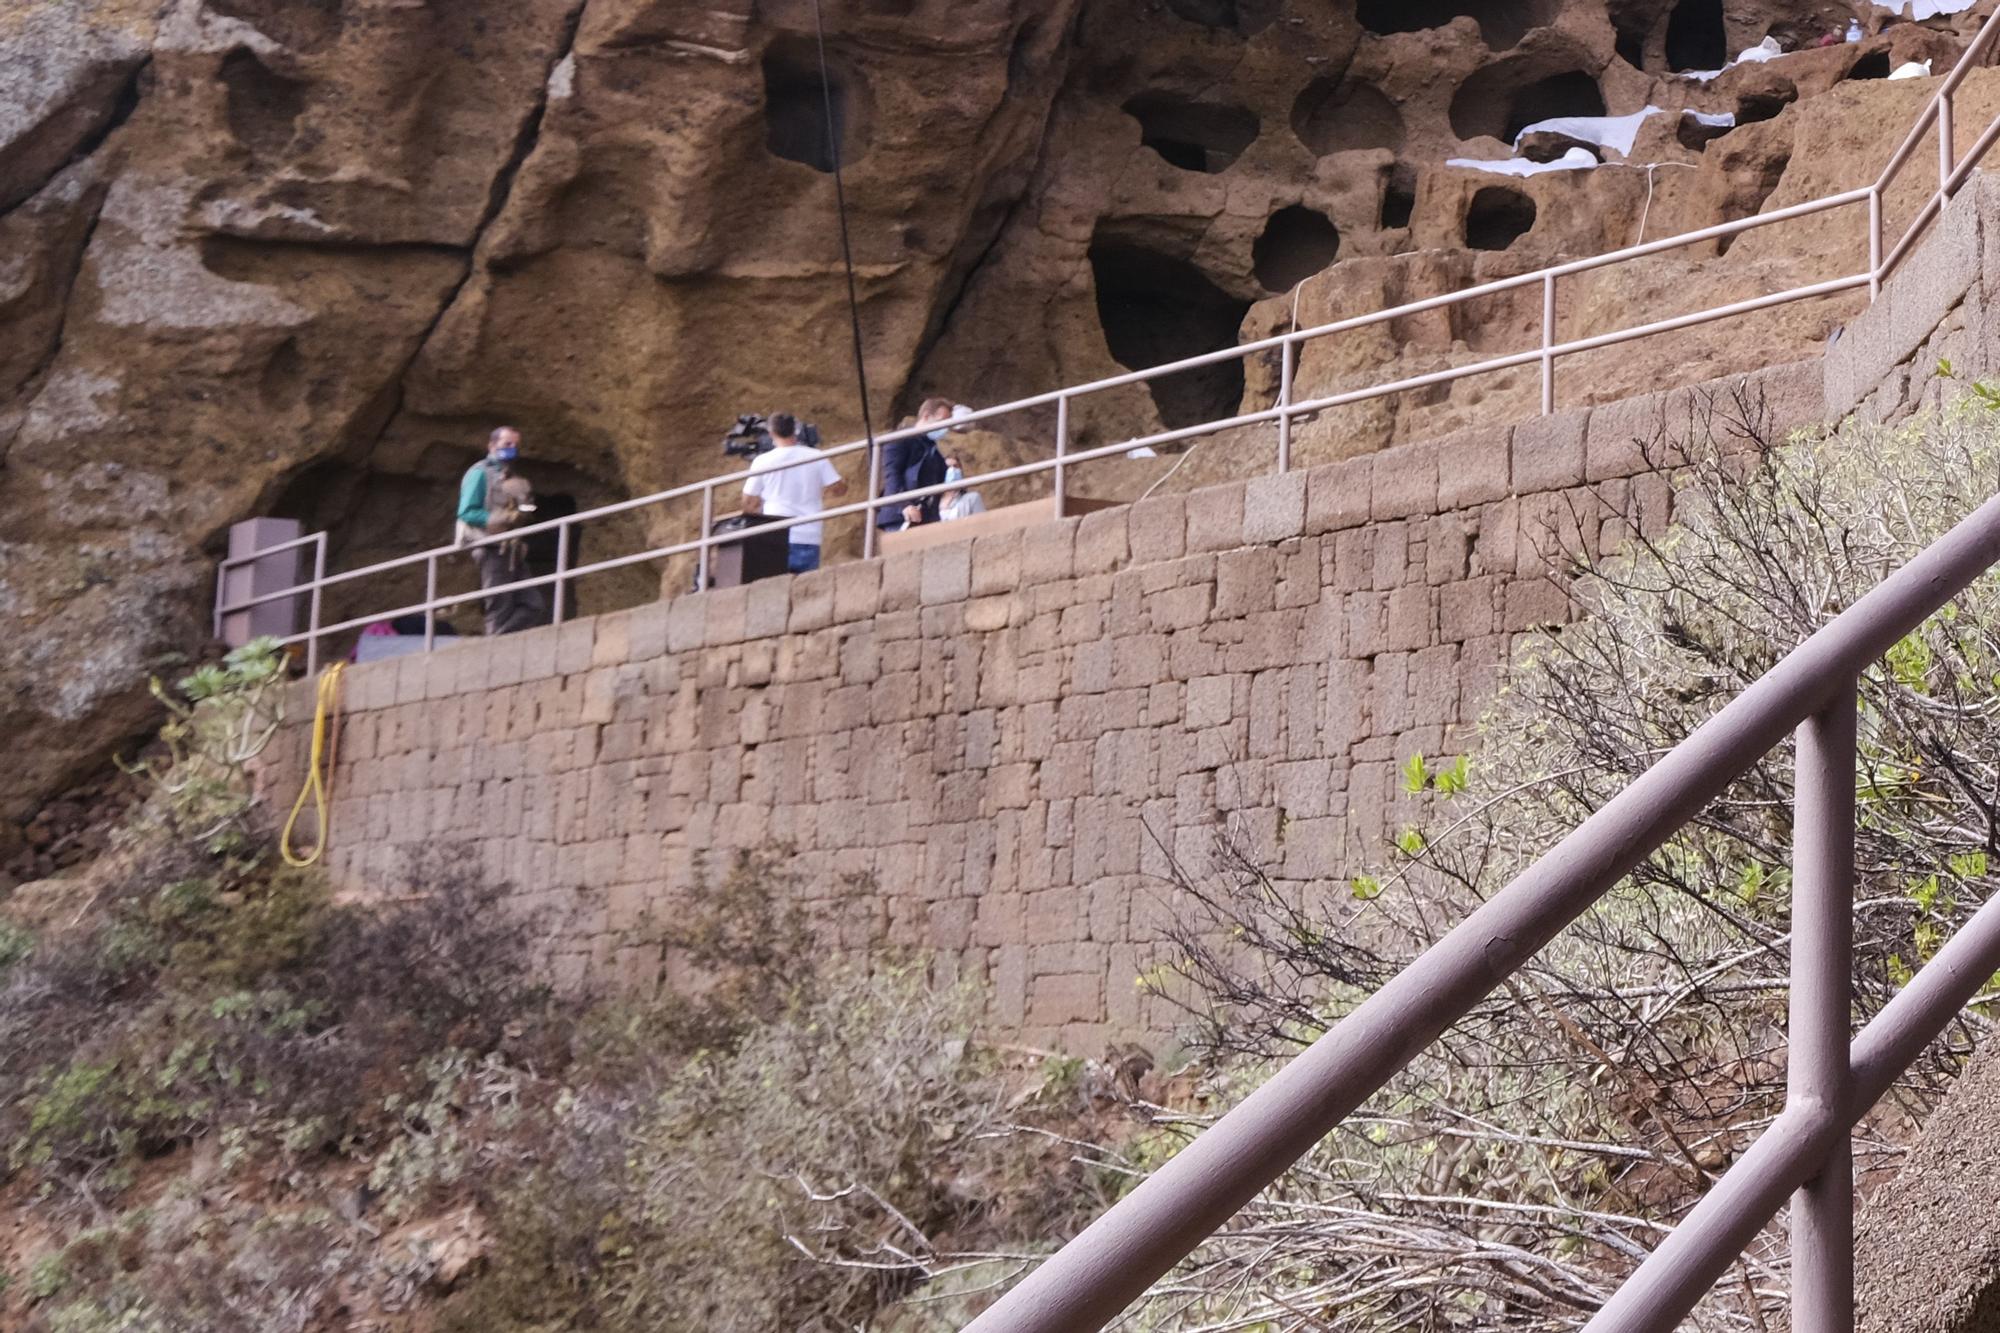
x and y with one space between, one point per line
1631 25
1329 118
1497 218
795 119
1502 23
1497 101
1874 65
1155 308
1297 242
263 106
1765 103
1246 17
1399 196
1192 135
1696 38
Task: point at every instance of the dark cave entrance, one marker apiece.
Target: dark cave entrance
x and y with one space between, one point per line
1497 218
1502 23
1246 17
1297 243
1154 309
1500 102
1874 65
795 120
1695 36
1329 118
1194 136
1399 196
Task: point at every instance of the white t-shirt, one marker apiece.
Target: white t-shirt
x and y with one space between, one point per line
793 491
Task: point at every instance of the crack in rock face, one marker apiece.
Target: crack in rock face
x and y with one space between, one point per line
297 257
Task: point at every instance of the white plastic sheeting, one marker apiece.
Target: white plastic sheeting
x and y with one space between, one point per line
1717 120
1768 49
1616 132
1576 159
1913 69
1930 9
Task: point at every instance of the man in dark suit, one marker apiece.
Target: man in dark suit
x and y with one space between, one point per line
912 462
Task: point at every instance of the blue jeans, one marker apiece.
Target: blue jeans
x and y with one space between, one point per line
802 559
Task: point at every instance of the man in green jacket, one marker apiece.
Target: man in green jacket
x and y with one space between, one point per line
491 499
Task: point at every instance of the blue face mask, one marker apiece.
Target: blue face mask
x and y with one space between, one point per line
954 475
935 437
506 453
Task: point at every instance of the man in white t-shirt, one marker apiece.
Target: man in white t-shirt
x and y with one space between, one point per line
788 480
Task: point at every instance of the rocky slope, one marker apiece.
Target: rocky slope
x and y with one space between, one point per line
296 256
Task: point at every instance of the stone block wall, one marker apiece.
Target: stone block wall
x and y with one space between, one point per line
993 750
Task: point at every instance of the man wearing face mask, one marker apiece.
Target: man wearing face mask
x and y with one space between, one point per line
492 499
910 463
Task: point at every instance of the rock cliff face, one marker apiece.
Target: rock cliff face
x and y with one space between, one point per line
297 256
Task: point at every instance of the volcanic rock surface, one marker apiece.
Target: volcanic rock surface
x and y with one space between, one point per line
296 257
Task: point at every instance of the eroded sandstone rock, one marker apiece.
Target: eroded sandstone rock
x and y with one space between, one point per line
267 256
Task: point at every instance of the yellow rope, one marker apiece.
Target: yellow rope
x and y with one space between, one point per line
324 715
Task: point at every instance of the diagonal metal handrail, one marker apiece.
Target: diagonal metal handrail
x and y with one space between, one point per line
1882 260
1093 1278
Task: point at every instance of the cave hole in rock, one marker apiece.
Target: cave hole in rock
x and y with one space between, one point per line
1696 38
1399 196
1156 308
1497 101
1192 135
1502 23
795 120
1764 103
1497 218
1631 25
1874 65
1297 242
1694 136
1330 118
1248 17
263 106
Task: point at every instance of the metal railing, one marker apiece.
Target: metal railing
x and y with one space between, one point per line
1802 1155
1952 172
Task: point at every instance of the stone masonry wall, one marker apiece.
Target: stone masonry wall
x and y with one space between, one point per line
999 742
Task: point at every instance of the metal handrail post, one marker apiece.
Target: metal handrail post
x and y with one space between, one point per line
874 494
701 560
1822 1025
312 613
1287 368
430 603
1874 244
562 565
1548 344
1062 451
1945 160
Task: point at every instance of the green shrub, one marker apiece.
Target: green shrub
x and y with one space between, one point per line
1594 1094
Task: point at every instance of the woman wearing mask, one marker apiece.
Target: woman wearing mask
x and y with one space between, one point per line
958 503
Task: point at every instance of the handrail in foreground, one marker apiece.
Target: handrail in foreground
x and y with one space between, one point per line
1953 169
1093 1278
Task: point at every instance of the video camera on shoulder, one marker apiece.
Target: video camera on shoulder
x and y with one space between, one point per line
751 436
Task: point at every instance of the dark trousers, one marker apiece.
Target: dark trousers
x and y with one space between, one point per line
518 608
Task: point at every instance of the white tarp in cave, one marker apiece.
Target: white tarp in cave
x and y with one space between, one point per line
1768 49
1615 132
1576 159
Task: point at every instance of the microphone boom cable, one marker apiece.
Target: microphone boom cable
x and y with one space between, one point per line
846 249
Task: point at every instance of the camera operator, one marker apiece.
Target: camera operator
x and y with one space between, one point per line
492 499
789 480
